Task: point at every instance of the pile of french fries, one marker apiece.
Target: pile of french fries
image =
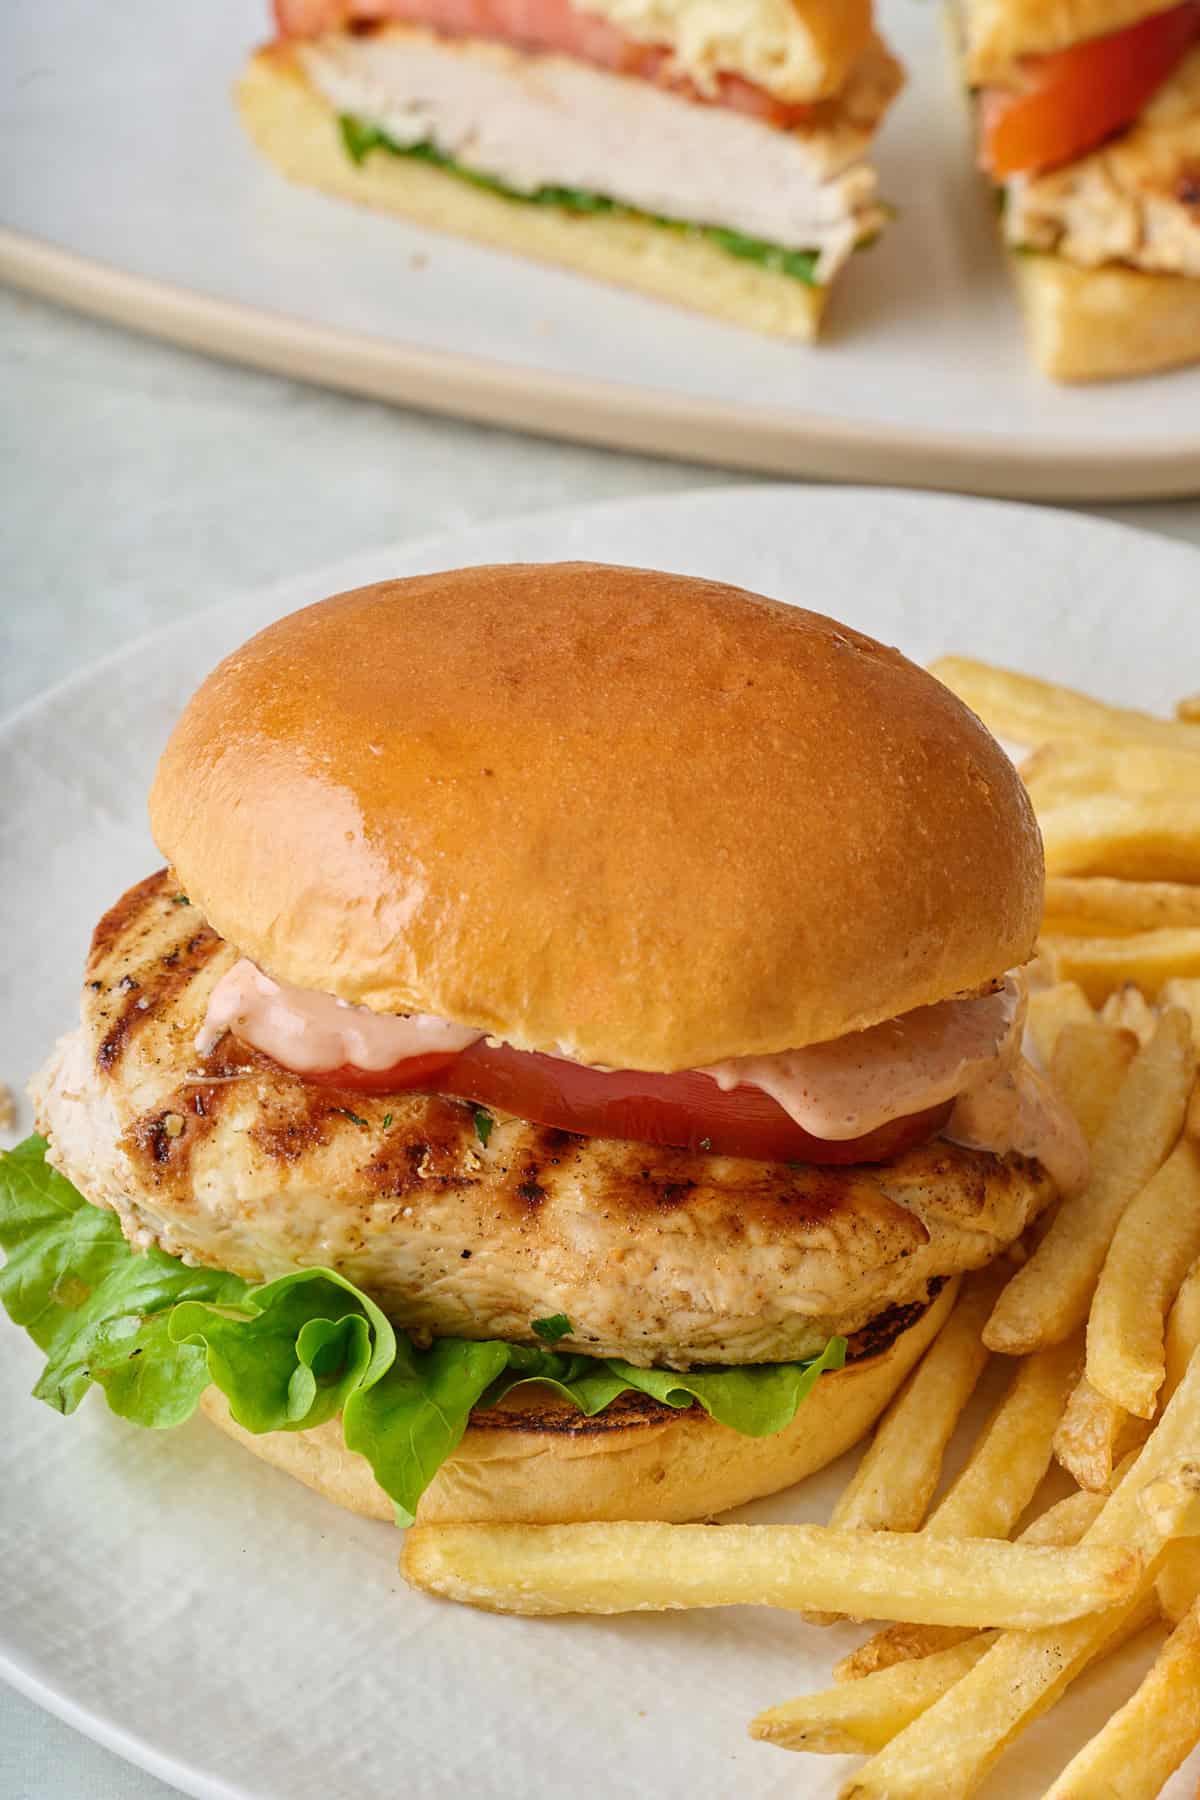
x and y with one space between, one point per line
997 1599
1118 801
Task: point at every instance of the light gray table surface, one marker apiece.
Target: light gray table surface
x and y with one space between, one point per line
139 483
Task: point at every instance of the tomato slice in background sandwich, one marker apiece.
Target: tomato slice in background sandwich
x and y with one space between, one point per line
1074 99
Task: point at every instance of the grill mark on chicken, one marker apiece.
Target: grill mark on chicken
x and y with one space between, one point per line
163 1141
150 985
122 918
881 1332
655 1255
529 1189
422 1146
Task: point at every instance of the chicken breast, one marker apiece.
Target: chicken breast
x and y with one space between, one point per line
537 123
1135 201
657 1256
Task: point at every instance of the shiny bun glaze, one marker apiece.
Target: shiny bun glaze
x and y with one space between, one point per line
641 819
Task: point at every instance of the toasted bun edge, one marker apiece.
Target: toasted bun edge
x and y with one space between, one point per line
678 1468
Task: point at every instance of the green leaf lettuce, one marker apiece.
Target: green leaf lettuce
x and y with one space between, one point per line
360 138
153 1333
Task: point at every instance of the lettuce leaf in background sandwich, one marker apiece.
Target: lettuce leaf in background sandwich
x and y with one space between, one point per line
153 1333
360 138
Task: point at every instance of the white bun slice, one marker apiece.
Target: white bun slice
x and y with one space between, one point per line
1109 323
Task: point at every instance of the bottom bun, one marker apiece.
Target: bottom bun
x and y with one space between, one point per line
1101 324
537 1460
295 128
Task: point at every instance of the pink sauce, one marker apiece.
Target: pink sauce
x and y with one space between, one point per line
852 1084
1017 1109
310 1032
968 1051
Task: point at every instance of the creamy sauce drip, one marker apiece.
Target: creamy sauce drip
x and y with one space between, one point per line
968 1051
311 1032
1018 1109
855 1083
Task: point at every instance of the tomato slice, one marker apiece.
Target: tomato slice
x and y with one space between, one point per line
554 25
1074 99
686 1111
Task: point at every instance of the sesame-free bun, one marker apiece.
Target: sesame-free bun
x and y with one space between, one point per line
642 819
540 1462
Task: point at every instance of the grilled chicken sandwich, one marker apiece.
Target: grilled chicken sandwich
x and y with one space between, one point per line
1089 118
572 1055
711 157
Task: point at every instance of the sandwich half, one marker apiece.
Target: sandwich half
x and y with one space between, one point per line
711 158
1089 123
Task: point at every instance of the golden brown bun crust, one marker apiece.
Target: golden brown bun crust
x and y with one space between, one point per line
1102 324
1000 31
639 1463
295 129
651 820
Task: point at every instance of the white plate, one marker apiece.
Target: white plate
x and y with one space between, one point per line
130 191
211 1620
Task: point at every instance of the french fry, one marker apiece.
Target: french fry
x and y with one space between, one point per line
1171 1502
1062 1524
1146 959
1188 709
898 1473
861 1716
1033 711
1092 1434
1129 1010
1144 1743
1048 1298
1153 1247
1050 1008
1182 1336
1149 837
950 1748
1013 1452
1088 1066
1099 906
1095 1431
865 1715
1179 1582
542 1570
1059 772
1184 991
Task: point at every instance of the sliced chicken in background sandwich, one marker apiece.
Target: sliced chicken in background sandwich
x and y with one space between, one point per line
1089 119
708 154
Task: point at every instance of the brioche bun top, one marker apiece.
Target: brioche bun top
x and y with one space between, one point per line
642 819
